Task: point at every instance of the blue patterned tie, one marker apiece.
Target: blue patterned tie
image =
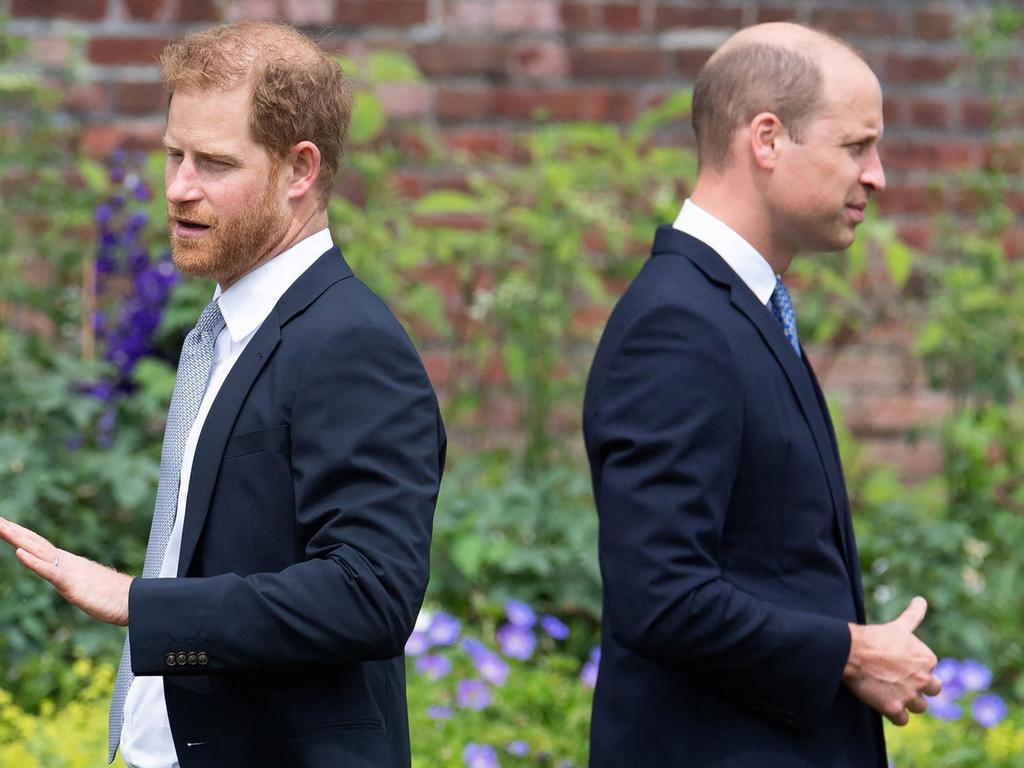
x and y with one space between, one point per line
782 308
189 388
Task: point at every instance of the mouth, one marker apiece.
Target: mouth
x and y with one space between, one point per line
856 211
188 227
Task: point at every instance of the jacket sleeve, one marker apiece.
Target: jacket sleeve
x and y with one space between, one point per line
367 451
665 434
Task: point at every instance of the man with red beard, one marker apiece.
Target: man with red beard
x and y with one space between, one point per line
302 456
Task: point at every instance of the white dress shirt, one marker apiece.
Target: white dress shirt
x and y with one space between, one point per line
146 735
744 259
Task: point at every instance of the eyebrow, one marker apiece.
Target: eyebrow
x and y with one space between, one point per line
212 155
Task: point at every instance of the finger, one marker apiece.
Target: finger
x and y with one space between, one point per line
48 569
900 719
917 705
20 536
933 687
912 617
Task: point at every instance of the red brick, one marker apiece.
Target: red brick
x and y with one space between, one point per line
616 62
51 51
976 114
464 102
480 142
468 221
690 60
776 13
309 12
915 461
85 10
542 58
934 24
929 113
911 198
86 97
438 364
198 10
381 13
621 17
918 234
865 368
667 16
461 58
604 104
919 68
579 17
101 140
147 10
858 21
892 110
904 155
408 184
125 50
896 413
253 10
404 99
526 15
141 98
522 104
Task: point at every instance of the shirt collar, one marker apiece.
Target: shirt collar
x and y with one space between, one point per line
248 302
744 259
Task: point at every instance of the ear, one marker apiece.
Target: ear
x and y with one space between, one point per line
766 134
303 168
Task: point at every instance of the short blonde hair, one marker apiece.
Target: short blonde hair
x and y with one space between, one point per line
298 92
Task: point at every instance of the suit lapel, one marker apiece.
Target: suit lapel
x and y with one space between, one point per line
324 272
670 240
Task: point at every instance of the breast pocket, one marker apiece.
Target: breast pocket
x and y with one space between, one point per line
267 439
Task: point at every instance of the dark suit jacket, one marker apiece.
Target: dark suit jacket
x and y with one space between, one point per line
726 546
304 554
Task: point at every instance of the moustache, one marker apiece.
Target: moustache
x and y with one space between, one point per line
187 213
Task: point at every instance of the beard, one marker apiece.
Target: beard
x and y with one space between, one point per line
231 247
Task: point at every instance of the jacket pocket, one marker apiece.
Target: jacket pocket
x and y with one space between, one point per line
268 439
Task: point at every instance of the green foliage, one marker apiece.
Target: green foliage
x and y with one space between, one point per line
930 743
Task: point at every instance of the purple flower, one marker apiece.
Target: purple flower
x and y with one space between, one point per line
948 671
491 667
444 629
474 647
434 665
480 756
974 675
944 706
103 214
555 628
439 713
472 694
417 643
142 193
588 675
516 641
519 748
988 710
520 614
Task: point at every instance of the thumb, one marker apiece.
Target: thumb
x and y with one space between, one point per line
912 617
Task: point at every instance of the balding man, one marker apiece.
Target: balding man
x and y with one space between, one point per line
734 632
289 549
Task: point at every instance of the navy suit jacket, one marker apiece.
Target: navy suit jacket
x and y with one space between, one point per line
304 554
726 546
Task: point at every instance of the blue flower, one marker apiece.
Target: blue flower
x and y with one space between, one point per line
588 675
439 713
444 629
434 665
988 710
491 667
519 748
417 643
555 628
520 614
480 756
948 671
472 694
944 706
516 641
974 675
103 214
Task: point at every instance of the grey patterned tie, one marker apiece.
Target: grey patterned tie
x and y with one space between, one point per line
189 388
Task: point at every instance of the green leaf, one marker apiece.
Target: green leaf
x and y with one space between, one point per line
447 201
368 118
392 67
899 259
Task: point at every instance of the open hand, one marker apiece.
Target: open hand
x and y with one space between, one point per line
96 589
889 668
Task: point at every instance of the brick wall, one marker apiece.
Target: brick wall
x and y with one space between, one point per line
490 64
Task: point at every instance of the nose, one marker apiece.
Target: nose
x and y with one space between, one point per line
181 183
872 174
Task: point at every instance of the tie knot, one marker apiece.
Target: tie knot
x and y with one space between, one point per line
211 319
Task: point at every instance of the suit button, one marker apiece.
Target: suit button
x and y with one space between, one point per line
202 658
170 660
192 658
182 659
